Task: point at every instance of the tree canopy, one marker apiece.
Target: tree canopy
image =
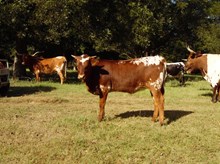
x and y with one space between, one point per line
128 27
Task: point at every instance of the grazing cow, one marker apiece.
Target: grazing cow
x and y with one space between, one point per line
104 76
209 66
39 65
176 70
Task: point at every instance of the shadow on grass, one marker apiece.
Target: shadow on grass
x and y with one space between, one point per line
171 115
21 91
71 78
206 94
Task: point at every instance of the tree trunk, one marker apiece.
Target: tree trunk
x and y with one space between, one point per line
19 70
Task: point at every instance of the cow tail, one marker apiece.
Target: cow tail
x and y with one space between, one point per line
164 77
65 68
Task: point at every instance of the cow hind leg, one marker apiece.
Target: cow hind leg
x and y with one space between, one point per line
158 96
214 95
61 76
218 94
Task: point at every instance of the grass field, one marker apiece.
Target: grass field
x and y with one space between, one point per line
51 123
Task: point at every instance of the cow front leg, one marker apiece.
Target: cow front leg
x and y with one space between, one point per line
102 101
214 95
37 77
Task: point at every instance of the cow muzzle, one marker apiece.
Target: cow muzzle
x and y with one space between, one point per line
81 76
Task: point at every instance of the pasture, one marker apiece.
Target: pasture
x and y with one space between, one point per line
46 122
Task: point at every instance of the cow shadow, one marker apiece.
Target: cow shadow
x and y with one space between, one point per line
171 115
54 78
16 91
206 94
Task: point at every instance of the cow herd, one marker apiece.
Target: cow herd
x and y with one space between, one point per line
104 76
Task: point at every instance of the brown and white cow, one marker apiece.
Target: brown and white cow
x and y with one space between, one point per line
104 76
209 67
46 66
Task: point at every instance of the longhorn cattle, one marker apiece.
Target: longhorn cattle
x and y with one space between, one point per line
209 67
39 66
104 76
176 70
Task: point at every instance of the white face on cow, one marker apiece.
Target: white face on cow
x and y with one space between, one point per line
83 62
84 58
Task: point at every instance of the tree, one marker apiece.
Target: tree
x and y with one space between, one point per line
127 27
209 34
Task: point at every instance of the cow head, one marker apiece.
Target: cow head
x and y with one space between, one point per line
190 63
26 59
84 64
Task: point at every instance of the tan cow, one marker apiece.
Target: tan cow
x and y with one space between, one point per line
46 66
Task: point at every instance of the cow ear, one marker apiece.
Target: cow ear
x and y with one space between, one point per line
198 54
94 60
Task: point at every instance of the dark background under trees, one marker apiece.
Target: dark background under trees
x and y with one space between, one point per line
111 29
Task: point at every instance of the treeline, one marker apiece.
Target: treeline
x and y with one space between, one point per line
130 28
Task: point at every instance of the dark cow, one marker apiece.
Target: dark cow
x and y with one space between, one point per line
104 76
176 70
209 66
39 65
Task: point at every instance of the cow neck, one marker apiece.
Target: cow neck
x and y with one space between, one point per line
92 77
201 64
33 61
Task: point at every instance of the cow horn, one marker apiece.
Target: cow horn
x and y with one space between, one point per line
190 50
38 52
75 57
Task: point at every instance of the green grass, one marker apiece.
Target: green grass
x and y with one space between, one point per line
51 123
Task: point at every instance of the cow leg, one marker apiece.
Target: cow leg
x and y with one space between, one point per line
37 77
218 94
61 76
182 79
158 96
102 101
214 95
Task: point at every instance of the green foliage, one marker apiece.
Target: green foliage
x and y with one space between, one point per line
209 34
127 27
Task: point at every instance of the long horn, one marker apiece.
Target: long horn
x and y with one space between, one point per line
190 50
38 52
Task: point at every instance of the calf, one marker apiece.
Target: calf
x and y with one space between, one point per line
46 66
104 76
209 66
176 70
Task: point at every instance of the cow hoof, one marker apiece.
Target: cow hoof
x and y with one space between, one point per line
100 119
214 101
154 119
161 123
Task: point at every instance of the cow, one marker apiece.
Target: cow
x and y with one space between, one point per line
104 76
209 67
39 65
176 70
